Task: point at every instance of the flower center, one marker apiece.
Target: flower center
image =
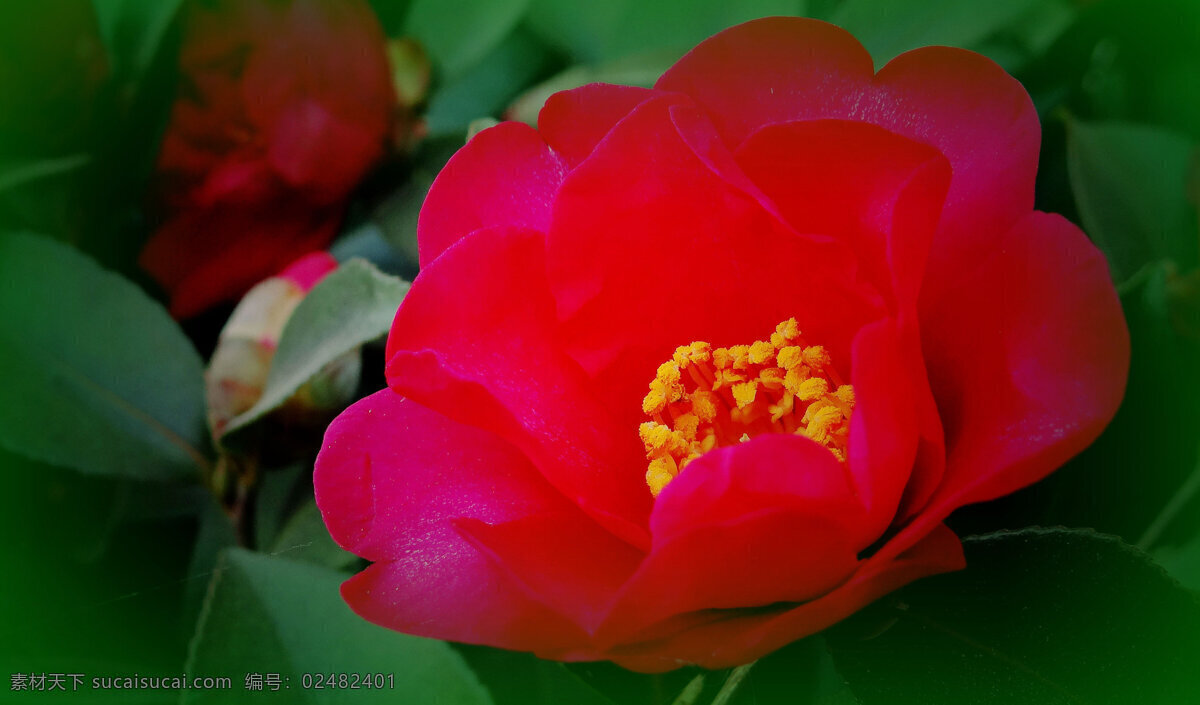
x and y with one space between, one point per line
703 398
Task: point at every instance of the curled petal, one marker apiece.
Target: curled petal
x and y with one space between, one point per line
573 122
457 594
505 176
772 520
399 505
788 69
1028 355
879 192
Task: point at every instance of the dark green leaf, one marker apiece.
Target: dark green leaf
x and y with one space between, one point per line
59 512
214 533
1038 616
801 673
305 538
269 615
98 376
1182 562
624 687
155 501
353 305
516 678
887 28
457 34
1126 60
86 585
367 242
1130 185
133 30
599 31
397 215
276 489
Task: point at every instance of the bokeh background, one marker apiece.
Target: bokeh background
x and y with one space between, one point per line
120 557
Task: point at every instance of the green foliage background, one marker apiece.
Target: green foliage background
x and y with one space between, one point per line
119 560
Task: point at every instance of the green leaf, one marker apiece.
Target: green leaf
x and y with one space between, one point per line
25 171
97 376
1038 616
1130 182
305 538
1027 38
353 305
457 34
888 28
133 30
599 31
268 615
368 241
485 89
396 216
392 15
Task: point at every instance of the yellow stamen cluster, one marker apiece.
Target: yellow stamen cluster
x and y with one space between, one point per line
705 397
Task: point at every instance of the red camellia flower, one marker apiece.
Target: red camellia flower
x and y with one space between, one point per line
692 372
283 107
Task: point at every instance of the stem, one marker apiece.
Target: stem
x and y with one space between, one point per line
731 684
691 692
1190 488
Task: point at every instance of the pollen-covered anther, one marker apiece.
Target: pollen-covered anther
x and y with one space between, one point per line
761 352
744 394
706 397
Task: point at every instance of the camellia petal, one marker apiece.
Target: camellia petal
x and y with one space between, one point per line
400 506
788 69
485 352
884 195
573 122
505 175
770 71
881 193
1027 371
721 529
686 255
883 430
742 637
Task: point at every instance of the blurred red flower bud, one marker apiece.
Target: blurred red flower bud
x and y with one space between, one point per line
282 108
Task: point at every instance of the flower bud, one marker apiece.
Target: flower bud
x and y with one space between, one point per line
237 373
411 71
